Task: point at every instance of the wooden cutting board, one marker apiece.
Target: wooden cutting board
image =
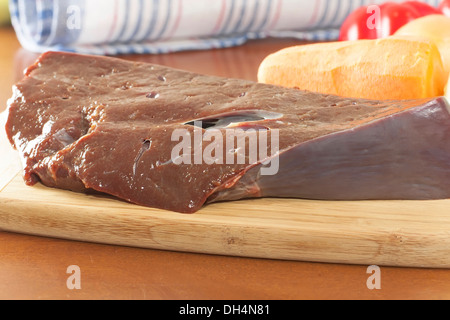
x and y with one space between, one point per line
384 233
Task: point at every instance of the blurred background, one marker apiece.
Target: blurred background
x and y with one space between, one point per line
4 13
154 30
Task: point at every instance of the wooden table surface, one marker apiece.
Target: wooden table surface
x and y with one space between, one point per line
36 267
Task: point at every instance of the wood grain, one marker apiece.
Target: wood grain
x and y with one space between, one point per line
390 233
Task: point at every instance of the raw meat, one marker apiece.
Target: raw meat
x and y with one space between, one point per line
86 123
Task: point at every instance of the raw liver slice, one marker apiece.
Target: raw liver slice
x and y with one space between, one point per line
403 156
99 123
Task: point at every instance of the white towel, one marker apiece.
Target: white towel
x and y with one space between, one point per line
111 27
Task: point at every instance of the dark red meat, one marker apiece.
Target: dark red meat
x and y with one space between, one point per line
98 123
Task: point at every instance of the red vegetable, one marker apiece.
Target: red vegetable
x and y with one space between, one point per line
444 7
381 21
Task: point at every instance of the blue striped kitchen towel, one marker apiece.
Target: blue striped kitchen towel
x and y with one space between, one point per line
111 27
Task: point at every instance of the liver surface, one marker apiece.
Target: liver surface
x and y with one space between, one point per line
98 123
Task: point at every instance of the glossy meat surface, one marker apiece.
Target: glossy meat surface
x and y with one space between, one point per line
105 124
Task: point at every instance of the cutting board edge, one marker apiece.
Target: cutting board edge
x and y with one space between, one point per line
177 233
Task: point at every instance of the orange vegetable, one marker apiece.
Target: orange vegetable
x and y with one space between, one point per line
435 28
390 68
